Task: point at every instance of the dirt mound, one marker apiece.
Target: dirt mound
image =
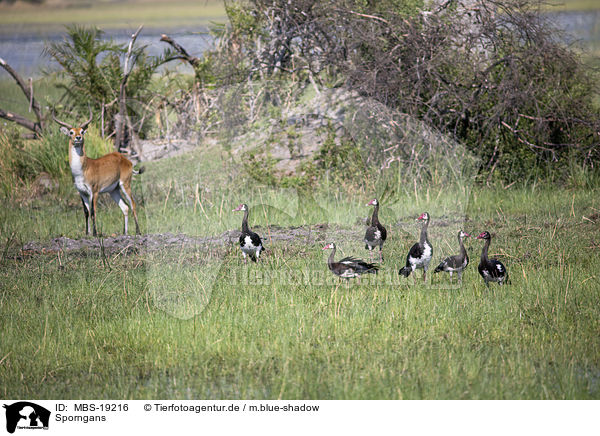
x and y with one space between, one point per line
158 241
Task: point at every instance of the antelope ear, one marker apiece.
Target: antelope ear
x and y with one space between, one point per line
64 130
83 132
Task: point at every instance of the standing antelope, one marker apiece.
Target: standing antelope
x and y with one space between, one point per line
110 173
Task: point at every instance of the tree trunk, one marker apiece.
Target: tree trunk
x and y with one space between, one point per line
121 119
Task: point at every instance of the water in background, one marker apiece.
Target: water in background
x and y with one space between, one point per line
580 26
24 51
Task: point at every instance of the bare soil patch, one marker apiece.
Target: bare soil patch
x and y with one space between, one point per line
158 241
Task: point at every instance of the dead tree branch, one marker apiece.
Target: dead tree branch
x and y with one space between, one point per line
35 127
183 54
121 120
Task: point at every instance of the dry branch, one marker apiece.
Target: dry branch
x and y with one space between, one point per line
35 127
122 120
183 54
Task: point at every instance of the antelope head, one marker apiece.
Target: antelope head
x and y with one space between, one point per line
75 133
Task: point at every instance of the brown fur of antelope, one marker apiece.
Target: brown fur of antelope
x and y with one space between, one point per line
110 173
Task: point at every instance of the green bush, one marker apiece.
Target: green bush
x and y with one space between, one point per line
340 158
493 76
11 163
91 73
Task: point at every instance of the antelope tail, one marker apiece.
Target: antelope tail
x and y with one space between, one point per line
140 171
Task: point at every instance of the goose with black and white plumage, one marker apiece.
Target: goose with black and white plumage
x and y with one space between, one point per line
456 263
250 242
348 267
492 270
420 254
376 234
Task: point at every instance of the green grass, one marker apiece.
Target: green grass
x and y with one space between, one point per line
110 15
573 5
186 323
12 98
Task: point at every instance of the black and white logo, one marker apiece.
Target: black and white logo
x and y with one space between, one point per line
26 415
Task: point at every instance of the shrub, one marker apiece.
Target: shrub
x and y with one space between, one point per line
91 74
492 75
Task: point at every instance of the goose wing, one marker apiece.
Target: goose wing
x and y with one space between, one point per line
358 265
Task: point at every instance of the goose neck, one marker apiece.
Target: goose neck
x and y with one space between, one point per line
484 251
245 222
423 238
375 217
463 250
331 256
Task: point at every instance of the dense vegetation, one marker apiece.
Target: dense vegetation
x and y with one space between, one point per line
493 75
91 73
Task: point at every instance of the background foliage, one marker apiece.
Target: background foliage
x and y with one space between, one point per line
493 75
92 72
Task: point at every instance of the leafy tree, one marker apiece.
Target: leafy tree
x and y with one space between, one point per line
91 74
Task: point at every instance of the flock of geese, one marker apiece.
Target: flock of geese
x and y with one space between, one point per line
113 172
419 256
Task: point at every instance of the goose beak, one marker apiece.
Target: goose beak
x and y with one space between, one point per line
237 209
371 203
467 235
480 236
327 247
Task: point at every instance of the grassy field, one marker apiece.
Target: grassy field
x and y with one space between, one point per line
192 321
54 15
12 98
573 5
188 322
